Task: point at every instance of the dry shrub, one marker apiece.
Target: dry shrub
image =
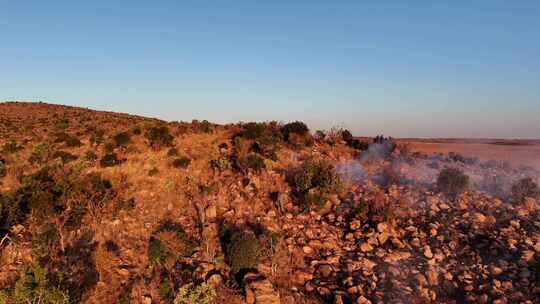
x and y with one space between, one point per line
524 188
122 139
452 182
159 137
182 162
110 160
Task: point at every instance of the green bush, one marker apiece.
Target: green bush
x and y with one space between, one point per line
34 286
253 130
243 252
122 139
109 160
296 127
452 182
159 137
182 162
314 180
201 294
168 244
524 188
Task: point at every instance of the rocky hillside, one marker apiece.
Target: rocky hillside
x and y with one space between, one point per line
99 207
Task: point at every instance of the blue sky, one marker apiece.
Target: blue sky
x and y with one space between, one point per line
422 68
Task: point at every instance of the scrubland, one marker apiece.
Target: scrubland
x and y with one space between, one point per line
99 207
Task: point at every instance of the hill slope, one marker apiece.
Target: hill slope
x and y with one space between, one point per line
104 207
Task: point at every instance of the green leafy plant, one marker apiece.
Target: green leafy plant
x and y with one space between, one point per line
34 286
168 244
314 180
243 252
201 294
296 127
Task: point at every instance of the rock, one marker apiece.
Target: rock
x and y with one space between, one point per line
432 277
421 279
301 276
479 218
362 300
383 237
366 247
215 279
325 270
307 250
382 227
146 299
210 212
494 270
259 290
427 252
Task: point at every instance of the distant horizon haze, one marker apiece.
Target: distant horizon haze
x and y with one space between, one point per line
460 69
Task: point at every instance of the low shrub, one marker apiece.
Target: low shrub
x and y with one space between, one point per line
91 156
204 126
159 137
168 244
96 136
172 152
61 124
314 180
452 182
122 139
64 156
358 144
221 164
3 168
109 160
251 162
182 162
41 154
296 127
243 252
10 147
72 141
346 135
201 294
34 286
525 187
253 130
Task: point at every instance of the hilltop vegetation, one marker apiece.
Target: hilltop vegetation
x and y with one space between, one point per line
99 207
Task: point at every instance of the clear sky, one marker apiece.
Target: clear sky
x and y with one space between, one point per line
404 68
